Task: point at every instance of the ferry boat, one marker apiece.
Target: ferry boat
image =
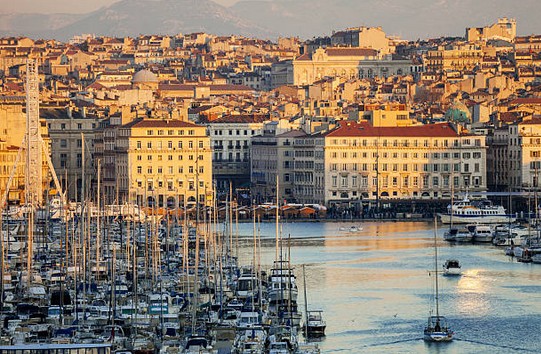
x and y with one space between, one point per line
483 211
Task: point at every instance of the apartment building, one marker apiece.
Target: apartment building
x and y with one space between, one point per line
453 57
163 163
365 162
309 169
365 37
68 128
515 156
505 29
230 138
272 161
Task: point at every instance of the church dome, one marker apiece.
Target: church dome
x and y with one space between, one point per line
458 112
144 76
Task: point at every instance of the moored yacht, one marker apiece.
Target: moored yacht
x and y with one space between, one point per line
467 211
481 233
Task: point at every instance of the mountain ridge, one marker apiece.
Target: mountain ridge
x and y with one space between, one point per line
269 19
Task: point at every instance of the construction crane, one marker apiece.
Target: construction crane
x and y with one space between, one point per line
34 146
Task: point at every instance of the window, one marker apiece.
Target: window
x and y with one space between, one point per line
354 181
138 144
149 145
63 143
150 132
63 160
334 181
139 169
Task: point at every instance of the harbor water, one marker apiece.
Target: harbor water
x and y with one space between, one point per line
376 291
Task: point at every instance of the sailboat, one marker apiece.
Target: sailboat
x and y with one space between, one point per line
437 329
314 325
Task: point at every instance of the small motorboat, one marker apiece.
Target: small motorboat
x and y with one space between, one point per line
352 228
452 267
315 325
462 234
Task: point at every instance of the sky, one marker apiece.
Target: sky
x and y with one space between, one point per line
64 6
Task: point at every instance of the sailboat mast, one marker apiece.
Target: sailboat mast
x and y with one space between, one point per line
98 223
305 300
255 238
436 265
2 260
230 218
277 215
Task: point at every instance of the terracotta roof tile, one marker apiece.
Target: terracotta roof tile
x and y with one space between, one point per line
362 52
353 129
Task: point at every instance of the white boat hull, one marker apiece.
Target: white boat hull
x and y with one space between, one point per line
452 271
438 337
476 219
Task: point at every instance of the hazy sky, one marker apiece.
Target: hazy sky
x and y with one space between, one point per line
64 6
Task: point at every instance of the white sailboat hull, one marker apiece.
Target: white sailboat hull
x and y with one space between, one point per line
438 337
